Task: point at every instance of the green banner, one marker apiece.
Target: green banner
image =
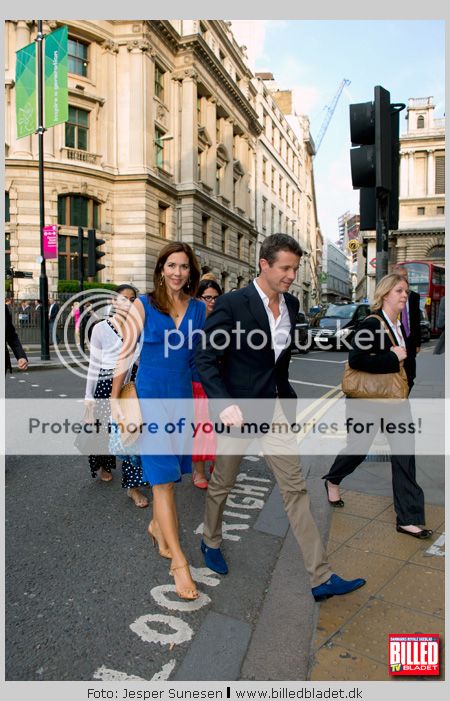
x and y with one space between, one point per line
26 114
55 77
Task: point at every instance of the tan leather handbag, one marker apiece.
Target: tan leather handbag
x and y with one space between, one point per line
358 384
130 430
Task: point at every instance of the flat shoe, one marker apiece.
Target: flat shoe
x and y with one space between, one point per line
424 533
338 502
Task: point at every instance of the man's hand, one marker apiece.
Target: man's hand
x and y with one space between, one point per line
418 349
22 363
232 416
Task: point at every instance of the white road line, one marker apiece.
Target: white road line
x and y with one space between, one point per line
437 548
313 384
48 390
105 674
62 395
35 385
323 410
318 360
317 402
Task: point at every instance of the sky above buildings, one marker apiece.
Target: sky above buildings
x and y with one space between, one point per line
311 57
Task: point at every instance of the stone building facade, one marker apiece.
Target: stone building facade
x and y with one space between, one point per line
161 144
285 200
421 231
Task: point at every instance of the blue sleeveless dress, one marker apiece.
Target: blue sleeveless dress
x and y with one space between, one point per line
167 374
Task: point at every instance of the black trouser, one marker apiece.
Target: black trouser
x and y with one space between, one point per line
409 501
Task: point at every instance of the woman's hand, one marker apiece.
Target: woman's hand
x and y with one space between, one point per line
89 405
116 411
400 352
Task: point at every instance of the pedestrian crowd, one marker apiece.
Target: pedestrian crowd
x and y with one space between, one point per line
217 378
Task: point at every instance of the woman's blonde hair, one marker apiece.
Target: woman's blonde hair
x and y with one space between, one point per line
386 284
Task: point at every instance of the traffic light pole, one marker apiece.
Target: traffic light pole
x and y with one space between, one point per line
43 280
81 284
382 235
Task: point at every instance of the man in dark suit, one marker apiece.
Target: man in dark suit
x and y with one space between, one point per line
53 309
411 327
244 356
13 341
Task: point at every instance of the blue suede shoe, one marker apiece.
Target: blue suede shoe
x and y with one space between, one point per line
336 586
214 559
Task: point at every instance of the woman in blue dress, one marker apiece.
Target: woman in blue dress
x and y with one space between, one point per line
166 371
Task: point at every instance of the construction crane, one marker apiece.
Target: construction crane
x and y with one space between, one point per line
329 113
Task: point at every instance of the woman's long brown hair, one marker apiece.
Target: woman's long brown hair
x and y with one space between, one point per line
158 295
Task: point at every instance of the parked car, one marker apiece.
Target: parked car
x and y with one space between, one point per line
302 338
338 322
425 327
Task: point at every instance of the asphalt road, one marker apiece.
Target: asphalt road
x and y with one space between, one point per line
87 597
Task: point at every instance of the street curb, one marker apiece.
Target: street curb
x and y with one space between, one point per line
47 365
287 655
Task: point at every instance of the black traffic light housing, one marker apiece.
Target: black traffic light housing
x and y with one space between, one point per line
375 162
367 195
80 251
370 132
94 254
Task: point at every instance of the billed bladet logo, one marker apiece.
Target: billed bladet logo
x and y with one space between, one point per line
414 654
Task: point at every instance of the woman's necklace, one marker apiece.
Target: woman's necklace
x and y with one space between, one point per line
175 313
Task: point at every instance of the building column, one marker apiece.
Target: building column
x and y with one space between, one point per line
106 136
431 184
210 125
411 183
189 140
227 140
137 92
404 174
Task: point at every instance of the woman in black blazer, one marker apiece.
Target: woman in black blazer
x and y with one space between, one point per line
373 351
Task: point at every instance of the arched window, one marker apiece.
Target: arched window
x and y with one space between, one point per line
436 253
420 121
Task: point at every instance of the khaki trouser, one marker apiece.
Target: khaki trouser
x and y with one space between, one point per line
287 472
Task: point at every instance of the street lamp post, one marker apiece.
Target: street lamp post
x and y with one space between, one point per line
43 280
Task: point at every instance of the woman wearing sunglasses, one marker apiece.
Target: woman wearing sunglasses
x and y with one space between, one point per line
204 448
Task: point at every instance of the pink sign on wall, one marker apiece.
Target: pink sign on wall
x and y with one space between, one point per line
50 235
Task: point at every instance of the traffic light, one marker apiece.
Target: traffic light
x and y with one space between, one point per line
94 254
370 131
374 131
80 248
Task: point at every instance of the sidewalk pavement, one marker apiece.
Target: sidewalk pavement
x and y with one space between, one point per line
405 576
346 638
404 592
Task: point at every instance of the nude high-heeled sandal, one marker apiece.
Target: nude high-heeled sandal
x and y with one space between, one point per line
189 593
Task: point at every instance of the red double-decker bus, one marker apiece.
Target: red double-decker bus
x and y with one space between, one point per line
428 279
